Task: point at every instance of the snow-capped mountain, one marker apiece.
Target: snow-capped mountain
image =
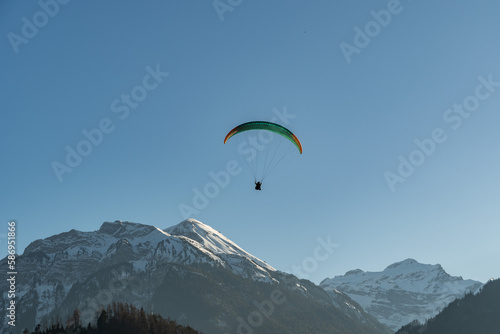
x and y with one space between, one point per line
205 237
403 292
189 272
188 242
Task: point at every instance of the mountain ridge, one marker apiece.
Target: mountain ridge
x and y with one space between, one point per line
404 291
189 272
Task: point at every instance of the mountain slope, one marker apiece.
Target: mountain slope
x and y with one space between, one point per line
189 272
403 292
478 314
212 241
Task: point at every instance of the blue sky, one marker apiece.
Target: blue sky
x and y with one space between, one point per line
80 66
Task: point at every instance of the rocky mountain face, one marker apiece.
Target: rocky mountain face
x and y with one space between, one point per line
189 272
405 291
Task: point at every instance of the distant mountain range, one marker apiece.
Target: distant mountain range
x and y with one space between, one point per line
405 291
189 272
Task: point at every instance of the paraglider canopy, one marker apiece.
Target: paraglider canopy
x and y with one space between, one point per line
263 152
261 125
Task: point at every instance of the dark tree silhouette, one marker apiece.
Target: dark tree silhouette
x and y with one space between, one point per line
117 318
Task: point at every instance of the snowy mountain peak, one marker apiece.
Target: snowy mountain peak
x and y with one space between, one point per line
354 272
213 241
193 229
402 292
404 263
411 267
188 242
124 229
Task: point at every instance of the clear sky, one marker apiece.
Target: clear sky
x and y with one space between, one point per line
397 106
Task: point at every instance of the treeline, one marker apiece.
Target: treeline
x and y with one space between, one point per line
116 318
474 313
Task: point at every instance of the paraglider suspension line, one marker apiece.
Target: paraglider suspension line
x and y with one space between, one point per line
252 167
269 168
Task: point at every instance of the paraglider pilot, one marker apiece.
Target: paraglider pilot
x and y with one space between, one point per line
257 185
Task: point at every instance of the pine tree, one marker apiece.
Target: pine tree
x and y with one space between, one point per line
76 318
102 321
